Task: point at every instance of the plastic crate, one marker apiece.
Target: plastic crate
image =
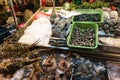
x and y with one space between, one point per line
90 11
78 2
83 26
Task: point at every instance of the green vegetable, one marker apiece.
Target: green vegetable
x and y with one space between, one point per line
94 5
106 4
73 6
69 6
85 5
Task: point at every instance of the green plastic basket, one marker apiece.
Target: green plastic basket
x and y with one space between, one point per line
78 2
83 26
91 11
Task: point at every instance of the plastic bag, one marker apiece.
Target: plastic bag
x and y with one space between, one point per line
39 29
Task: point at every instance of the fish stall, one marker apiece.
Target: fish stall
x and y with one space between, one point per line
63 43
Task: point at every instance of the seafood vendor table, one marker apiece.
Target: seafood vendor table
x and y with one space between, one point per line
56 61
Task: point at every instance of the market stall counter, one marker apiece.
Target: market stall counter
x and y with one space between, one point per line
53 59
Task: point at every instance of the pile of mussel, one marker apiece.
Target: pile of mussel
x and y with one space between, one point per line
112 27
83 37
88 17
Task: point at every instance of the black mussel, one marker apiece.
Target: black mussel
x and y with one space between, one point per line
112 27
106 26
88 17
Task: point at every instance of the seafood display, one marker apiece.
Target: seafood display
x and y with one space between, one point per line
50 65
50 58
87 70
82 37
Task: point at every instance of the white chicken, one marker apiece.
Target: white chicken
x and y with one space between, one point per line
39 29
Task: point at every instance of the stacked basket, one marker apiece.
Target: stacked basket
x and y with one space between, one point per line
84 30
